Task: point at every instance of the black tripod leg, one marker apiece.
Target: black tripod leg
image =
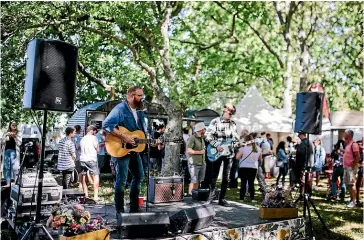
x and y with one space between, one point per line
29 231
49 236
318 214
309 218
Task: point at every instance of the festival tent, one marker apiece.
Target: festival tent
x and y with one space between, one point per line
254 114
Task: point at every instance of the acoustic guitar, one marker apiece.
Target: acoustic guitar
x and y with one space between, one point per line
117 147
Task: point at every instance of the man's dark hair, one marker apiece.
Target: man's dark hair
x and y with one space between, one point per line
160 127
262 134
289 139
268 134
77 127
133 89
185 130
254 134
70 130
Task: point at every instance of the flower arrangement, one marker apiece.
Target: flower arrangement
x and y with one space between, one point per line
73 220
278 198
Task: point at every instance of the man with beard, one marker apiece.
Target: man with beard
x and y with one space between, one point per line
127 114
221 129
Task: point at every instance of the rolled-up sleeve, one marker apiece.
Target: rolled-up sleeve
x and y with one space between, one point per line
210 133
112 120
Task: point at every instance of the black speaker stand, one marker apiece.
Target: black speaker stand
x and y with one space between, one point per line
36 226
306 197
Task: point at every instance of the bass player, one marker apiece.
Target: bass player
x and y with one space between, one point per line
219 130
127 114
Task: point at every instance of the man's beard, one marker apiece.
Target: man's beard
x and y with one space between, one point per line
138 104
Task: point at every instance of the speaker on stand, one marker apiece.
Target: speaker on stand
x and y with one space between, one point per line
49 85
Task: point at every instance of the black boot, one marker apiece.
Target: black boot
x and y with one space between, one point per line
223 203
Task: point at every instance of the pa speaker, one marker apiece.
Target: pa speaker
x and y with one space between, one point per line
309 112
50 80
143 225
192 219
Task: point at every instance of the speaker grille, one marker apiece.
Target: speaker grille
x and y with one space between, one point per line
54 75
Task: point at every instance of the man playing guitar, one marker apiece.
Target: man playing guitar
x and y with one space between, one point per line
127 115
219 130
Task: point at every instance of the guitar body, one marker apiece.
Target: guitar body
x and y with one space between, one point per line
116 148
213 154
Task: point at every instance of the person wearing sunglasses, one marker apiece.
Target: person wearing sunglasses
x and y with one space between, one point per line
221 129
11 142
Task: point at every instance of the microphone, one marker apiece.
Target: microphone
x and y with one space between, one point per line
145 101
29 144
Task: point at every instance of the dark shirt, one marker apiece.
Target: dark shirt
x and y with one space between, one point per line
154 151
304 151
10 144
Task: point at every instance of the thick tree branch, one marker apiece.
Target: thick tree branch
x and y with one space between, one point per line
279 12
98 81
165 51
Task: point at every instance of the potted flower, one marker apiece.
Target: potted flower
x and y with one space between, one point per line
74 223
278 204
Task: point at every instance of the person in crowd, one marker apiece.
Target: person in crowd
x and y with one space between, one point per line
304 154
11 141
66 157
260 173
234 168
319 160
89 149
127 114
270 141
101 157
157 149
351 161
359 180
248 157
186 174
196 160
337 156
266 153
220 129
76 140
282 159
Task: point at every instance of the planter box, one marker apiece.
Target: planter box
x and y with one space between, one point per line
278 213
102 234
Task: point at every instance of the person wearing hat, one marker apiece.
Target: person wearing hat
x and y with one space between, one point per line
196 157
89 149
221 129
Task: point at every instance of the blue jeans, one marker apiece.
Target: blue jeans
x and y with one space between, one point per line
338 172
121 169
10 165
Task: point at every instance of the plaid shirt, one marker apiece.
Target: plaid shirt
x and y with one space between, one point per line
220 130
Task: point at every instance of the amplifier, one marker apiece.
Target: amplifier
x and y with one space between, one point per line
143 225
203 194
28 180
165 189
28 196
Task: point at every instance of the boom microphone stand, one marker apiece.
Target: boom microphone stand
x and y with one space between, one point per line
306 197
149 138
36 226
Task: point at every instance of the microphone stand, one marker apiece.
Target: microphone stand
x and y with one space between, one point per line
149 138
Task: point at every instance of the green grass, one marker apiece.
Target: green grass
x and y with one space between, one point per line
344 223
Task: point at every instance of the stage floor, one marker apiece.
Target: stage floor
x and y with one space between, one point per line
237 215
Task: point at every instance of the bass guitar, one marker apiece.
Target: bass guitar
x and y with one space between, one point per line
228 150
117 147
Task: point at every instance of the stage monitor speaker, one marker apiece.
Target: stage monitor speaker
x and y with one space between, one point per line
192 219
50 80
309 112
143 225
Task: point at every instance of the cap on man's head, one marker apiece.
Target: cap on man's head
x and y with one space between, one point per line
199 126
91 128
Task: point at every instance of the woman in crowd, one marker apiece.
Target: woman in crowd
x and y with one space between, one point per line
11 142
248 157
282 162
337 156
67 157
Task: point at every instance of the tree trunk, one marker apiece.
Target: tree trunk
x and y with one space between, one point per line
304 66
287 97
172 164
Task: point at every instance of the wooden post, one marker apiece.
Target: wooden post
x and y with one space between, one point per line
112 93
